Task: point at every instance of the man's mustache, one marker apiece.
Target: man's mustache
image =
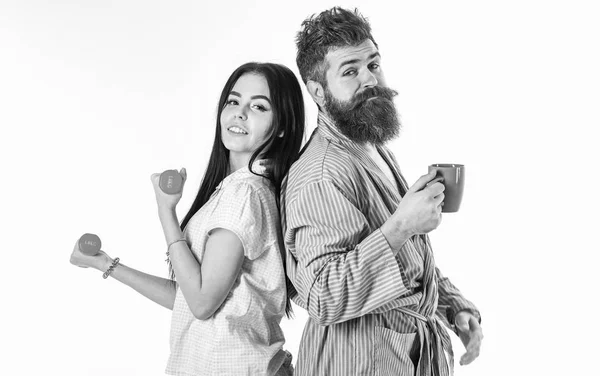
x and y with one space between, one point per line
372 92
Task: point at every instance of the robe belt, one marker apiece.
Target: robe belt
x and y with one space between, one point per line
434 340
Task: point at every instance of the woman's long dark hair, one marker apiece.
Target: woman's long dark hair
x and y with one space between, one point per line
288 116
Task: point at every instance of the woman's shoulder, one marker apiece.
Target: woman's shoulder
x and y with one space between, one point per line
250 187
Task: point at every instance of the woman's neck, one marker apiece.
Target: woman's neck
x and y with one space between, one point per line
237 161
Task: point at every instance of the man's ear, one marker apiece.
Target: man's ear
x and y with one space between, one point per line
316 91
280 134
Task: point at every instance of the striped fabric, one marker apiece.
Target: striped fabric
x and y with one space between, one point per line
370 313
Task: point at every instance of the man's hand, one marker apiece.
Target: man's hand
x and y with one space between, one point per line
419 211
470 334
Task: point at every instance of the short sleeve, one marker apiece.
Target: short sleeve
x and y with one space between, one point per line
248 211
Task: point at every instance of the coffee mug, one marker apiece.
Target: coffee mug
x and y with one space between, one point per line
453 176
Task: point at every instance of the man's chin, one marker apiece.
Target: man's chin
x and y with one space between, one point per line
367 129
362 132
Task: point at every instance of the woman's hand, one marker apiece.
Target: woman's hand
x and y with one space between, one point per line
97 261
166 201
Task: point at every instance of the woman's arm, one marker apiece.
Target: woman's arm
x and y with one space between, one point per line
204 286
159 290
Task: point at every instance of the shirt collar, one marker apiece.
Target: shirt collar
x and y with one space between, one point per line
329 130
258 167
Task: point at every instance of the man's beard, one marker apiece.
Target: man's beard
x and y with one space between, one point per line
362 120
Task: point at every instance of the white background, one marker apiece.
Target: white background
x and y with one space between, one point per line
97 95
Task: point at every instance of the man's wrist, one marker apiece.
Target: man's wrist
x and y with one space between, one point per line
470 311
395 235
451 315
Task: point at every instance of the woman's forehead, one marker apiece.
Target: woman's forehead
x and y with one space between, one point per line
251 84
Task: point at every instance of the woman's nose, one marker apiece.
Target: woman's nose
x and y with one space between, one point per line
240 114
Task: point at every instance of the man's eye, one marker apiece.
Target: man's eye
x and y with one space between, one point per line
374 66
349 72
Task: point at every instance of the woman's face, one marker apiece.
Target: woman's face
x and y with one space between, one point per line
247 116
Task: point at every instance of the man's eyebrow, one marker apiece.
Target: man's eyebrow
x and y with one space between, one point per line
252 97
354 61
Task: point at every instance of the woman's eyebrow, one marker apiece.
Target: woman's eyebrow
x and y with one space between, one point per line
252 97
261 97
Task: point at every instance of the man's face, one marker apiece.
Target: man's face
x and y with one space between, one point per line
357 97
351 69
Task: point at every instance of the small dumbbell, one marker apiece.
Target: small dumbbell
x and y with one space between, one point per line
170 182
89 244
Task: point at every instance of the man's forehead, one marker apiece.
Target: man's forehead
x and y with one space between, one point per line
338 55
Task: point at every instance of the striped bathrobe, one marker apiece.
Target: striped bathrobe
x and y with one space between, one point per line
370 313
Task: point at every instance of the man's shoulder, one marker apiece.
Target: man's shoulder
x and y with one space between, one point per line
322 161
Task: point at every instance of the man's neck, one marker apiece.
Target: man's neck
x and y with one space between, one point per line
332 123
371 149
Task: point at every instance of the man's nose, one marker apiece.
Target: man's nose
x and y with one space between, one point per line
369 79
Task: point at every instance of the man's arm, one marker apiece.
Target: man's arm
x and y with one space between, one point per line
452 301
345 269
462 317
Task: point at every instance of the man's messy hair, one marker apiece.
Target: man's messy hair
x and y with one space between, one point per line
333 28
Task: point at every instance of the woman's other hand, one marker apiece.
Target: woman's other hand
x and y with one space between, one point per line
82 260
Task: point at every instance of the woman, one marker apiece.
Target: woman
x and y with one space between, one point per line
228 294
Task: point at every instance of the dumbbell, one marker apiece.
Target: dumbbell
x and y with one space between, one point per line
170 182
89 244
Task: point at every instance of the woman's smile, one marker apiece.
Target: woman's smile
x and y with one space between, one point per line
237 130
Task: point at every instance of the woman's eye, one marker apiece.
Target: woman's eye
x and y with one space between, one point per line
260 107
231 102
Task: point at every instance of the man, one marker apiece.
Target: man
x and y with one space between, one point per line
357 250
